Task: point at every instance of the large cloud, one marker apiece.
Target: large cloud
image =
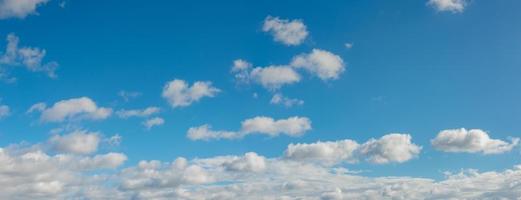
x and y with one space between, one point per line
19 8
71 109
179 94
471 141
390 148
29 57
293 126
454 6
288 32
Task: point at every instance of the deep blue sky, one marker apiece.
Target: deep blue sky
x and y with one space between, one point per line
411 70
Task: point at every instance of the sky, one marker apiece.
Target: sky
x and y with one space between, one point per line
260 100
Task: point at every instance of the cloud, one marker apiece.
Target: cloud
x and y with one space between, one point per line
32 173
293 126
390 148
454 6
471 141
156 121
323 64
179 94
4 111
138 112
274 77
29 57
348 45
19 8
77 142
128 95
71 109
288 32
279 99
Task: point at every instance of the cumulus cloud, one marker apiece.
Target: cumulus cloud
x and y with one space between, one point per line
323 64
454 6
279 99
179 94
288 32
390 148
71 109
4 111
29 57
293 126
471 141
138 112
156 121
19 8
32 173
78 142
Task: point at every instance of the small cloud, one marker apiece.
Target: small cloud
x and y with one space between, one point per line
288 32
454 6
348 45
156 121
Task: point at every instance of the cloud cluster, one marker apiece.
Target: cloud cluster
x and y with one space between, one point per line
471 141
71 109
391 148
323 64
29 57
179 94
288 32
293 126
454 6
19 8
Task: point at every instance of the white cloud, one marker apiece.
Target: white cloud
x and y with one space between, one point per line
323 64
78 142
280 99
348 45
138 112
471 141
4 111
389 148
288 32
274 77
293 126
156 121
127 95
249 162
29 57
179 94
19 8
71 109
115 140
454 6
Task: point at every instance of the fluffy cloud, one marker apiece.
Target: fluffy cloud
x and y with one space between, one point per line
78 142
71 109
454 6
279 99
179 94
323 64
138 112
19 8
390 148
156 121
293 126
273 77
4 111
29 57
471 141
288 32
31 173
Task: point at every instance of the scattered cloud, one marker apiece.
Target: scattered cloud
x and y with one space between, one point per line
454 6
29 57
128 95
279 99
19 8
471 141
71 109
391 148
156 121
293 126
179 94
138 112
77 142
4 111
323 64
288 32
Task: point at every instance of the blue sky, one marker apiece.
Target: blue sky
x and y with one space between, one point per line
415 68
